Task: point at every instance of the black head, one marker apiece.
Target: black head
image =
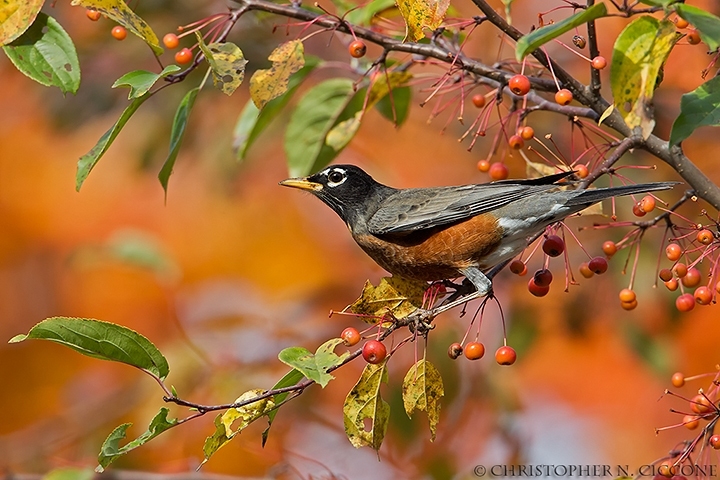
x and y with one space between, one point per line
347 189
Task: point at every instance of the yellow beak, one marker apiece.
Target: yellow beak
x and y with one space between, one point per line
302 184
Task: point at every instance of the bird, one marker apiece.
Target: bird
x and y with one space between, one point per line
442 233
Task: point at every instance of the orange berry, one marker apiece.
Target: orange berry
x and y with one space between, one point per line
518 267
581 170
692 278
685 302
647 203
527 133
516 142
505 355
629 305
599 62
715 442
474 350
357 49
478 100
498 171
705 236
350 336
680 270
665 275
681 23
701 404
184 56
703 295
690 422
119 32
519 85
171 41
93 15
627 295
678 380
483 166
673 252
563 97
609 248
693 37
585 270
672 285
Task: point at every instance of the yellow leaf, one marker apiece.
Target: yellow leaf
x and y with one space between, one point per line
419 14
118 11
537 170
267 84
422 389
227 63
246 414
364 402
16 16
395 295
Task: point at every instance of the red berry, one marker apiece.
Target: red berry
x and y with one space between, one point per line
350 336
537 290
581 170
685 302
184 56
455 350
638 211
543 277
681 23
553 245
673 252
478 100
171 41
678 380
505 355
474 350
519 85
585 270
647 203
609 248
665 275
692 278
667 468
374 352
483 166
357 49
598 265
498 171
516 142
599 62
680 269
563 97
627 295
119 32
518 267
715 442
693 37
705 236
93 15
527 133
703 295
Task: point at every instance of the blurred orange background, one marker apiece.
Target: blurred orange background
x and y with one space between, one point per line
232 268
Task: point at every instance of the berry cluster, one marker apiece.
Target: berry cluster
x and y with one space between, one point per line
504 355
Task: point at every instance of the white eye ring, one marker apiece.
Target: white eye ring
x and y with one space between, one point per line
336 176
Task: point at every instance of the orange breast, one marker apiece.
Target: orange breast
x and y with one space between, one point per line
437 253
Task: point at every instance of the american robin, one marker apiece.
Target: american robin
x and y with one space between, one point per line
445 232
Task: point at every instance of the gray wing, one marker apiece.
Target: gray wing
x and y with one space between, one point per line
415 209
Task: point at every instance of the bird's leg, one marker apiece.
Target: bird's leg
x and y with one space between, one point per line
483 287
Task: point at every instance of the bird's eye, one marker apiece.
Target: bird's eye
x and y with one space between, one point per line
336 177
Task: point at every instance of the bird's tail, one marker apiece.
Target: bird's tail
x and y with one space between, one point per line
589 197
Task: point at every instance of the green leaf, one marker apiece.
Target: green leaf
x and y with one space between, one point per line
46 53
252 121
364 402
659 3
699 108
320 109
216 440
638 55
247 413
314 366
176 135
539 37
140 81
401 98
103 340
267 84
16 16
119 11
111 448
69 473
422 390
291 378
364 15
227 63
88 161
707 24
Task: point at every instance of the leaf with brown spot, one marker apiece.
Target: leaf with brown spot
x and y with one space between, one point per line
394 295
422 390
364 402
16 16
227 63
268 84
420 14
